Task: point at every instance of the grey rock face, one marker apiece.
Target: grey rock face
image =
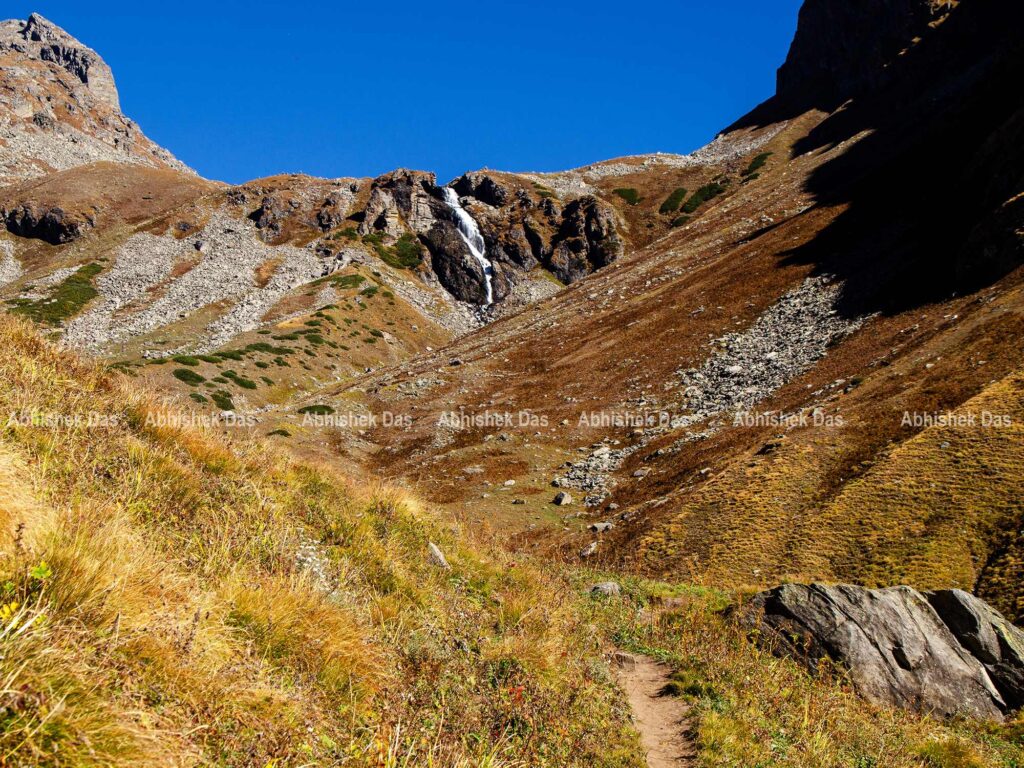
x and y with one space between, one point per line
587 240
990 638
897 648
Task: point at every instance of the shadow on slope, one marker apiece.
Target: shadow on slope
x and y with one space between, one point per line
930 191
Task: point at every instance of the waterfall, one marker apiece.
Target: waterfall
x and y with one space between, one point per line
474 240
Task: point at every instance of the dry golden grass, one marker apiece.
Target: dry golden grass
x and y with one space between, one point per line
171 597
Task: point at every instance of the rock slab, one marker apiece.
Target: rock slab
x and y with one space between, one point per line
942 653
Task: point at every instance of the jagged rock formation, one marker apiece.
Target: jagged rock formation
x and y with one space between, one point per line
48 42
524 226
59 106
945 652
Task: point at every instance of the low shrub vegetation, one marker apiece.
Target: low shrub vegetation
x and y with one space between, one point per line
64 301
189 377
702 195
628 194
756 164
673 201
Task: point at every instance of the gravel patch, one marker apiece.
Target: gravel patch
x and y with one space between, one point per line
230 255
10 267
785 341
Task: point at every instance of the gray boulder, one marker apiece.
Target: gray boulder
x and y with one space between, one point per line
990 638
897 649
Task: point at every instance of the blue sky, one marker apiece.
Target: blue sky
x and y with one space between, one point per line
240 90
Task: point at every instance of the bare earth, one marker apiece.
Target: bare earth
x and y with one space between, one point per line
660 718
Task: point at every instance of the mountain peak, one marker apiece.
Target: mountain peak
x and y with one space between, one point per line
40 38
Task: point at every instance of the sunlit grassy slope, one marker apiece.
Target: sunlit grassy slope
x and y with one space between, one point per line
753 710
173 598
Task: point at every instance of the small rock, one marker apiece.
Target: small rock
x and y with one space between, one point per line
609 588
623 659
601 527
589 550
562 499
437 556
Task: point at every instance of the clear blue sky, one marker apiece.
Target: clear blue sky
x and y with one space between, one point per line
240 90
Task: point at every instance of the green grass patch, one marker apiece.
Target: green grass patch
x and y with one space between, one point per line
186 360
628 194
673 201
679 221
64 301
406 253
198 397
279 433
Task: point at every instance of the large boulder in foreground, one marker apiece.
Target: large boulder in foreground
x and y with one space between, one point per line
942 654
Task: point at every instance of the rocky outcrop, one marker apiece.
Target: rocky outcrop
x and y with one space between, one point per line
842 49
945 653
48 42
403 199
59 106
270 217
523 228
586 240
50 224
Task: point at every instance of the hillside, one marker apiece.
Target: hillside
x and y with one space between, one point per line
823 276
395 472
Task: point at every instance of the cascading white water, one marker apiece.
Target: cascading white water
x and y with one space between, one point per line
474 240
